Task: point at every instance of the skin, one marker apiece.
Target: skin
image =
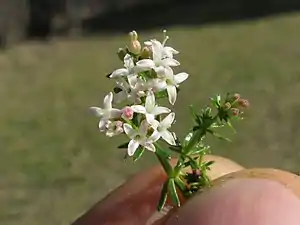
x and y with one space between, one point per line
237 198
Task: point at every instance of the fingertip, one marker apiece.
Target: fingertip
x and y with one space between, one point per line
241 201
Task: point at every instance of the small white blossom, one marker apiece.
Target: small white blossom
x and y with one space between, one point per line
170 82
160 58
139 137
150 109
131 90
107 113
128 70
161 128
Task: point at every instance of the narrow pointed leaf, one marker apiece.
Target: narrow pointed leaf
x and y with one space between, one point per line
125 145
173 192
218 136
138 154
163 159
163 196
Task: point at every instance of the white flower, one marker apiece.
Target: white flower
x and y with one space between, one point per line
132 90
170 82
161 58
114 128
150 109
128 70
161 128
108 112
139 137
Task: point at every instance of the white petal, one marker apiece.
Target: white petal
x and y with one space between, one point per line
150 147
132 147
103 125
145 64
168 137
131 133
160 110
119 73
115 113
128 61
160 70
167 121
144 127
150 118
97 111
108 100
154 124
157 84
157 49
169 74
132 80
172 94
155 136
121 96
148 43
169 51
138 109
179 78
150 101
170 62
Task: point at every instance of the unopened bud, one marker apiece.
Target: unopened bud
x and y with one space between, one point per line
244 103
235 111
227 106
134 45
121 53
127 113
146 53
236 96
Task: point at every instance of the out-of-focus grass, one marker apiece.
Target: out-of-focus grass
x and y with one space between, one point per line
55 164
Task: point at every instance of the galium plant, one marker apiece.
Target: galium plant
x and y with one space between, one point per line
145 79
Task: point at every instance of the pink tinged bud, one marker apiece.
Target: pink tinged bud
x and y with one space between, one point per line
134 45
236 97
235 112
127 113
244 103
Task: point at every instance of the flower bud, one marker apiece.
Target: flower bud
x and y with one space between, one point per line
146 53
134 45
235 111
236 97
227 106
243 103
121 53
127 113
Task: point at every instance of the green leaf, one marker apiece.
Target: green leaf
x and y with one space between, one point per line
230 126
216 101
180 183
193 162
173 192
125 145
161 94
193 140
187 139
138 153
163 158
176 148
218 136
208 164
163 196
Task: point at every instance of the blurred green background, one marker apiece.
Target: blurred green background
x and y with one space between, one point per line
54 162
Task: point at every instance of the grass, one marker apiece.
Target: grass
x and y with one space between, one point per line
54 164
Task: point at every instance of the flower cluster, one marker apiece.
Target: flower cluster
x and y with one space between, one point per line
146 77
